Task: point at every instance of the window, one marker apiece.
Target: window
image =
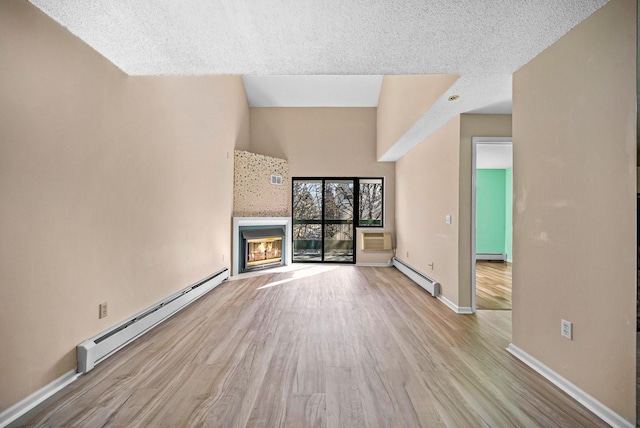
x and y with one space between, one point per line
326 211
323 215
370 202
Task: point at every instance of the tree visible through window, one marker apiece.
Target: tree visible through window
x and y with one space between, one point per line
326 213
370 198
338 206
307 206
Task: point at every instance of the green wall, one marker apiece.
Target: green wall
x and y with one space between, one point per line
493 211
490 210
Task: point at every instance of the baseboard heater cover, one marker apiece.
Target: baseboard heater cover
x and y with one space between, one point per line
492 256
98 348
419 278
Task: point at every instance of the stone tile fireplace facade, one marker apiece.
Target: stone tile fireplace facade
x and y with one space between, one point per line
255 194
260 203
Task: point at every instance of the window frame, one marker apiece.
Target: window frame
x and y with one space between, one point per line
322 221
382 204
356 219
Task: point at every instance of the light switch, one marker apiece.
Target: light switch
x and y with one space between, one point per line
447 218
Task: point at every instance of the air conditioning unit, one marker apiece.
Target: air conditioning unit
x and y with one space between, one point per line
376 241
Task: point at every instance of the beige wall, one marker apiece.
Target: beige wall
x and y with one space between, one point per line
330 142
433 180
427 182
403 100
112 188
472 125
574 237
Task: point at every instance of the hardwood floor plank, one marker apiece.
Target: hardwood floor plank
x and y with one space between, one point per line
451 406
344 400
276 389
306 410
310 369
493 285
322 346
423 402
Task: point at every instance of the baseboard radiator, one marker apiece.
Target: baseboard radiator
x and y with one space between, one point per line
419 278
500 257
98 348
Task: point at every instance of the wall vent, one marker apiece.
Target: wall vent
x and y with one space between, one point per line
276 179
376 241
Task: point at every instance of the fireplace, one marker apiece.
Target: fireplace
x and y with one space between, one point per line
262 248
274 232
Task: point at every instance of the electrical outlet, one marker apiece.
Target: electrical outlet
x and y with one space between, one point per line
103 310
566 329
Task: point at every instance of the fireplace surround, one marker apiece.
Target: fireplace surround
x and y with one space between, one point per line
257 228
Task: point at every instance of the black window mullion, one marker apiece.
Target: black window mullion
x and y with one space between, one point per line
323 220
356 214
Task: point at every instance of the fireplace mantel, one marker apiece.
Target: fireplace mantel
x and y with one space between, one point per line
259 221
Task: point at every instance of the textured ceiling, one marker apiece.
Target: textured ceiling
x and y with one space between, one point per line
483 41
318 36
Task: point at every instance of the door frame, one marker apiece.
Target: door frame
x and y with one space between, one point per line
475 142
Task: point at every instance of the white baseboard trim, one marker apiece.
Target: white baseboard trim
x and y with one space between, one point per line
607 415
462 310
19 409
374 264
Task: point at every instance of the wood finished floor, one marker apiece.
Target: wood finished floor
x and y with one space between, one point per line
493 285
322 346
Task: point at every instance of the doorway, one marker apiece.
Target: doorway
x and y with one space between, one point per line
492 225
323 211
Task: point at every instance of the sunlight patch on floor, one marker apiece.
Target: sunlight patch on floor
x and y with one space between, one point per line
315 270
